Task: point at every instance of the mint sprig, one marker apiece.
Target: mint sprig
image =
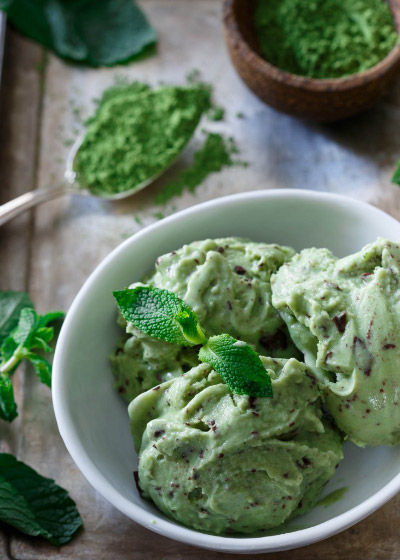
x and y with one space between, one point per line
163 315
160 314
34 504
24 334
238 364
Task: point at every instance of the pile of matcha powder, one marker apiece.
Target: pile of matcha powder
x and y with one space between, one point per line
137 132
324 38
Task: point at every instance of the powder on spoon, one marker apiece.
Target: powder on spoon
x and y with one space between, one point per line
136 133
324 38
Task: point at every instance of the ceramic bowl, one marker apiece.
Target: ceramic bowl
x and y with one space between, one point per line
309 98
92 418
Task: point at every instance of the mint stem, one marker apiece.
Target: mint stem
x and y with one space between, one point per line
13 361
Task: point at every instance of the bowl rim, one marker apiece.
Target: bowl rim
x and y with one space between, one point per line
148 519
326 85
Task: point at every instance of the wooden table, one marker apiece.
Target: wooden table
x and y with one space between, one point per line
51 251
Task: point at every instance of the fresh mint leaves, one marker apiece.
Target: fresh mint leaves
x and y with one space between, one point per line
11 304
238 364
93 32
24 333
160 314
163 315
35 505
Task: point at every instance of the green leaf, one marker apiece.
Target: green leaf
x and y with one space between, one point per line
8 408
95 32
160 314
11 304
41 337
8 348
51 317
35 505
42 368
396 176
238 364
26 325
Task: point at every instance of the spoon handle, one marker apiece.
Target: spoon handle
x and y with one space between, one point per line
18 205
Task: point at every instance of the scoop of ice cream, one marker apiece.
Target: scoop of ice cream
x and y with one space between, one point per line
220 462
345 316
227 283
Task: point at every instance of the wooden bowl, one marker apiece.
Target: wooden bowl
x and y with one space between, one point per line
315 99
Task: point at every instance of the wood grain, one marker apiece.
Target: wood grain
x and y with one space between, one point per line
52 252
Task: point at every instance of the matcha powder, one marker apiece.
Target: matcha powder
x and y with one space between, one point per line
324 38
137 132
215 154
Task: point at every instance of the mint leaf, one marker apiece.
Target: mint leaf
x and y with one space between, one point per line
396 176
27 321
94 32
35 505
7 349
238 364
160 314
42 368
8 408
51 317
11 304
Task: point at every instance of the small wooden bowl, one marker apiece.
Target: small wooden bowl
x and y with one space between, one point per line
319 100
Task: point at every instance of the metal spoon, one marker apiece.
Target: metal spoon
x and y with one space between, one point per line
18 205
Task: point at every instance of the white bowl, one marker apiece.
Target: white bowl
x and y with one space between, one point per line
93 420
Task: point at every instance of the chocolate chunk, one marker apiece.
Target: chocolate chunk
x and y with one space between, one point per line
252 402
239 269
341 321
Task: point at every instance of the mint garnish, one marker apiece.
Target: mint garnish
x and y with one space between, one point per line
160 314
93 32
35 505
238 364
163 315
24 333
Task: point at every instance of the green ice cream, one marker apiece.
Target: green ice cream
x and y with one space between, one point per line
344 315
220 462
227 283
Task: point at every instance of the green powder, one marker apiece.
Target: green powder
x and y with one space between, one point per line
324 38
215 154
136 133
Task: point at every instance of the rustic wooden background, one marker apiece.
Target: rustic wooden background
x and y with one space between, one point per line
51 251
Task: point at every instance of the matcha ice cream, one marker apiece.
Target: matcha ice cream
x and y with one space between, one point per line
227 283
344 315
221 462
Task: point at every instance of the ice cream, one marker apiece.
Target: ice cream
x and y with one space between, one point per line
220 462
344 315
227 283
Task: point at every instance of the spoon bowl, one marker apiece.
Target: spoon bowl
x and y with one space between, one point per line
72 185
309 98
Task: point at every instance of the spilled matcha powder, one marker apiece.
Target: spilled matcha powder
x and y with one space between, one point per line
216 153
324 38
135 133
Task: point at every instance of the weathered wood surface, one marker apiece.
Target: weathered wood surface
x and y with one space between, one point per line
51 251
